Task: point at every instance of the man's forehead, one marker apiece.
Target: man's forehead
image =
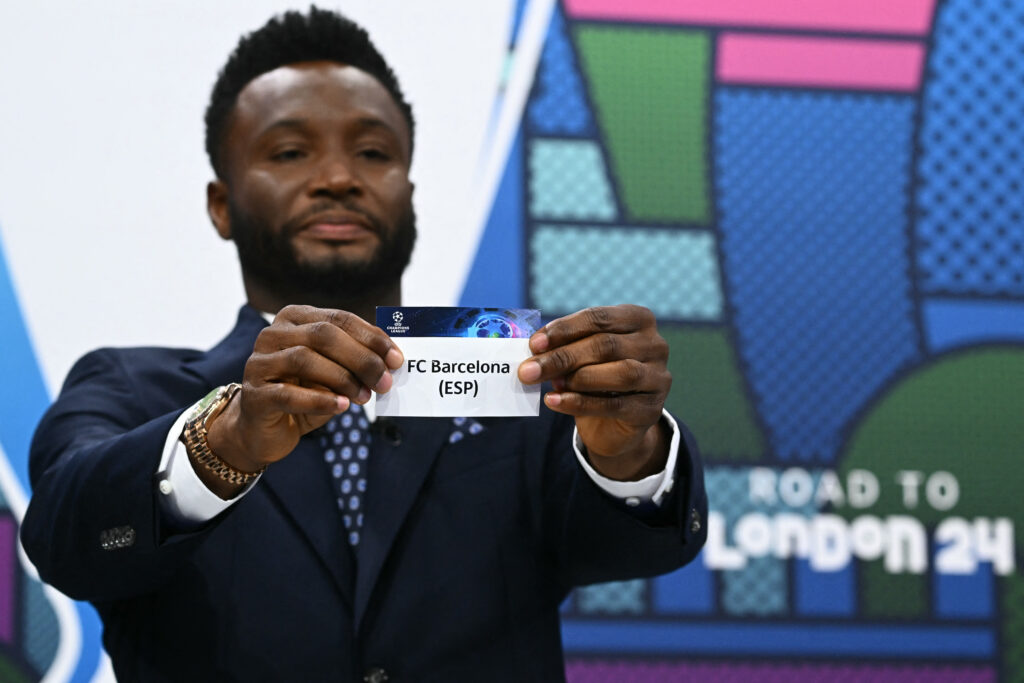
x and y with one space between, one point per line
306 84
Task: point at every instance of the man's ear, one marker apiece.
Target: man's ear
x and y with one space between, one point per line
217 207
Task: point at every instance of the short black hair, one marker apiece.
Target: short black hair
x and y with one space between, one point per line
290 38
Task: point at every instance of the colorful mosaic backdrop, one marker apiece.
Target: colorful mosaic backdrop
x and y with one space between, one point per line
823 204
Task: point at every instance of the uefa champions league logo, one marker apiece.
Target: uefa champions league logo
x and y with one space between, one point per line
398 327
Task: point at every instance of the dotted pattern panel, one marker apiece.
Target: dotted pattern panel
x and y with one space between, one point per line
885 596
615 597
762 586
713 397
970 198
1012 645
558 105
812 209
591 671
674 273
760 589
649 88
40 630
568 181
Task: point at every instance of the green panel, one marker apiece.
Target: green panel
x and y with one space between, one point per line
1012 649
709 395
885 595
961 414
12 672
650 91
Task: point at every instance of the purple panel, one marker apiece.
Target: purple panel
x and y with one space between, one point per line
8 576
610 671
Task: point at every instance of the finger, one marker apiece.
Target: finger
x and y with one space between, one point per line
620 319
333 343
634 409
304 366
592 350
623 376
370 336
291 399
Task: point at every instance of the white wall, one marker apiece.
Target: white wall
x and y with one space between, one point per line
102 169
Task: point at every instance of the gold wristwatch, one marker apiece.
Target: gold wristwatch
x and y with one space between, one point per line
194 435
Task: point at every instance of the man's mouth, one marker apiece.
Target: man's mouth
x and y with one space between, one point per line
340 232
337 226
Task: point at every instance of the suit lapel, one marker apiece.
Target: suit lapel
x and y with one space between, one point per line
396 474
225 362
299 483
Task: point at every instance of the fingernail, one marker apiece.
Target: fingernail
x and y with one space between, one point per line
553 399
363 396
384 384
539 342
343 404
394 358
529 371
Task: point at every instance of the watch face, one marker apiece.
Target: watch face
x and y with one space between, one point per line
204 402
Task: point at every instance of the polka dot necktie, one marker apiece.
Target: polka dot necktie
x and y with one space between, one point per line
463 427
346 441
346 444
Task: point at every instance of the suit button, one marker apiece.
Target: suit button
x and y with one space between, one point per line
375 675
694 521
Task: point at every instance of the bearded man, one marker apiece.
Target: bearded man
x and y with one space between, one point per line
275 530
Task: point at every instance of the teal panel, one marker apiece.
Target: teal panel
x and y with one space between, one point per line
672 272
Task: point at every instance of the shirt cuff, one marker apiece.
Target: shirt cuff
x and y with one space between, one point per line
652 489
183 495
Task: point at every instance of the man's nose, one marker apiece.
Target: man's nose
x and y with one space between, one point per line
335 176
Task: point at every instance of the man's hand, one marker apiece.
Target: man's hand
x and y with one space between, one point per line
607 366
309 365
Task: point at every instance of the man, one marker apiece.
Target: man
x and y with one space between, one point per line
209 536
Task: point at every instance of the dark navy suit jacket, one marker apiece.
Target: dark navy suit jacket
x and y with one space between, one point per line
466 553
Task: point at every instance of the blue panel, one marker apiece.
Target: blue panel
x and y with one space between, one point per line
965 596
23 394
23 399
951 322
813 216
496 276
971 192
778 640
824 594
689 590
558 105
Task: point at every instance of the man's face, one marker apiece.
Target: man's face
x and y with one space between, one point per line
318 197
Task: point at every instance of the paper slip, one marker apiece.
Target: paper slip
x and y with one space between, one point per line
459 362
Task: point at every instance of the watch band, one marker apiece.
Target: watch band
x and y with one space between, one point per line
195 433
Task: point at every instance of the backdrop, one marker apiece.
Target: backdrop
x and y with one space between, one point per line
822 201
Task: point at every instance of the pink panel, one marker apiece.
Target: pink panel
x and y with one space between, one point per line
820 62
871 16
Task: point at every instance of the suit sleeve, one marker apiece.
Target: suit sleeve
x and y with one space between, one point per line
598 538
93 527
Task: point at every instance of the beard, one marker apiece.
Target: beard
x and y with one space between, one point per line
269 257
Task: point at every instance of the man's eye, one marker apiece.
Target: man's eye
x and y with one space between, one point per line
290 154
374 154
